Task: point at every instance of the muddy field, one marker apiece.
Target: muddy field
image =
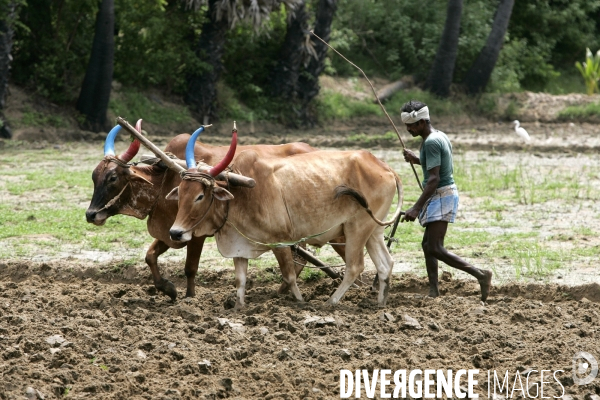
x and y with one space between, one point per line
68 335
71 328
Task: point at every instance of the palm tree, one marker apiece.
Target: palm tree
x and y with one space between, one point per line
285 75
221 15
308 82
479 74
8 14
440 76
95 90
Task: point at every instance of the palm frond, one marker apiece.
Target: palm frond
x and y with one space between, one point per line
254 12
194 4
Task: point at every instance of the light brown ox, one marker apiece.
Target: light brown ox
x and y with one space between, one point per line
312 197
139 191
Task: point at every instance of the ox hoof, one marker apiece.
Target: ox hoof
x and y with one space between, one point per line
331 303
284 288
238 306
167 288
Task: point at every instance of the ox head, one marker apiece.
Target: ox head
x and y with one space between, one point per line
111 178
197 193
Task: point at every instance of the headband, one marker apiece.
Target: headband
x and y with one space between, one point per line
414 116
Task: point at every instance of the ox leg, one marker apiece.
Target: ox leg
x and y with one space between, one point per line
286 264
355 264
241 272
383 262
157 248
192 259
341 250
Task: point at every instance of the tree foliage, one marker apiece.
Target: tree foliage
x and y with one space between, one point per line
155 42
392 38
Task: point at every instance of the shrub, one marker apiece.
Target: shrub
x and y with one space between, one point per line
590 70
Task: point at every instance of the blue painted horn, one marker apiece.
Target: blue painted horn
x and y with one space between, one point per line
189 148
217 169
134 147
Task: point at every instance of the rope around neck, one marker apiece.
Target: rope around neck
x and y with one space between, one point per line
280 244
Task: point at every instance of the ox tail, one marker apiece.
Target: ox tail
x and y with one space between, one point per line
344 190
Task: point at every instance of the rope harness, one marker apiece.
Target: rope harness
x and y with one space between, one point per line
120 163
209 181
206 180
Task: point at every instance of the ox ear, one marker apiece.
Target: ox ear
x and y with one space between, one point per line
173 194
140 175
222 194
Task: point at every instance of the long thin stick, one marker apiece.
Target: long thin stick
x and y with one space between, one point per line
378 101
149 145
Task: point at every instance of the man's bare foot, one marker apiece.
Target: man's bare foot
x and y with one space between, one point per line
485 283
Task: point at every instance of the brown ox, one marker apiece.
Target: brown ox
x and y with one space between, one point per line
311 198
139 191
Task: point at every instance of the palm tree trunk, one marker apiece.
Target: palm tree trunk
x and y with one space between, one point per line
308 82
201 94
95 90
9 12
479 74
284 79
442 70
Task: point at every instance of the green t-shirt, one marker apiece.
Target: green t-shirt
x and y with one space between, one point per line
436 150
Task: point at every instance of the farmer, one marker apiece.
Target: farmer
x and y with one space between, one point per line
438 202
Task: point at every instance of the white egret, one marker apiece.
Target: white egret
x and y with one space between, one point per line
521 132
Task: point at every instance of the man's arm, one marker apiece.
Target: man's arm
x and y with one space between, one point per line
428 191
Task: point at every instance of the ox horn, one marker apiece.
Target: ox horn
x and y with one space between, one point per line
189 148
127 155
165 158
217 169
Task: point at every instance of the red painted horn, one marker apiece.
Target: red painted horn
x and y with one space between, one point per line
217 169
134 147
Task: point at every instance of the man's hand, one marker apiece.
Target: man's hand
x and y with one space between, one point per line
410 215
411 157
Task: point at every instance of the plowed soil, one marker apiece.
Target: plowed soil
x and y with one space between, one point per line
75 333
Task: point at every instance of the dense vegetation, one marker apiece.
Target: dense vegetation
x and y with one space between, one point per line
155 42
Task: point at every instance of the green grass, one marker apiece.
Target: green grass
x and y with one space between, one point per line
45 195
41 120
133 104
336 106
518 183
588 112
55 182
311 274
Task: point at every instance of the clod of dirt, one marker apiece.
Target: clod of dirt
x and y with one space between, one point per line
410 323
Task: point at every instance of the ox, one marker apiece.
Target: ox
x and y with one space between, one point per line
311 198
139 191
